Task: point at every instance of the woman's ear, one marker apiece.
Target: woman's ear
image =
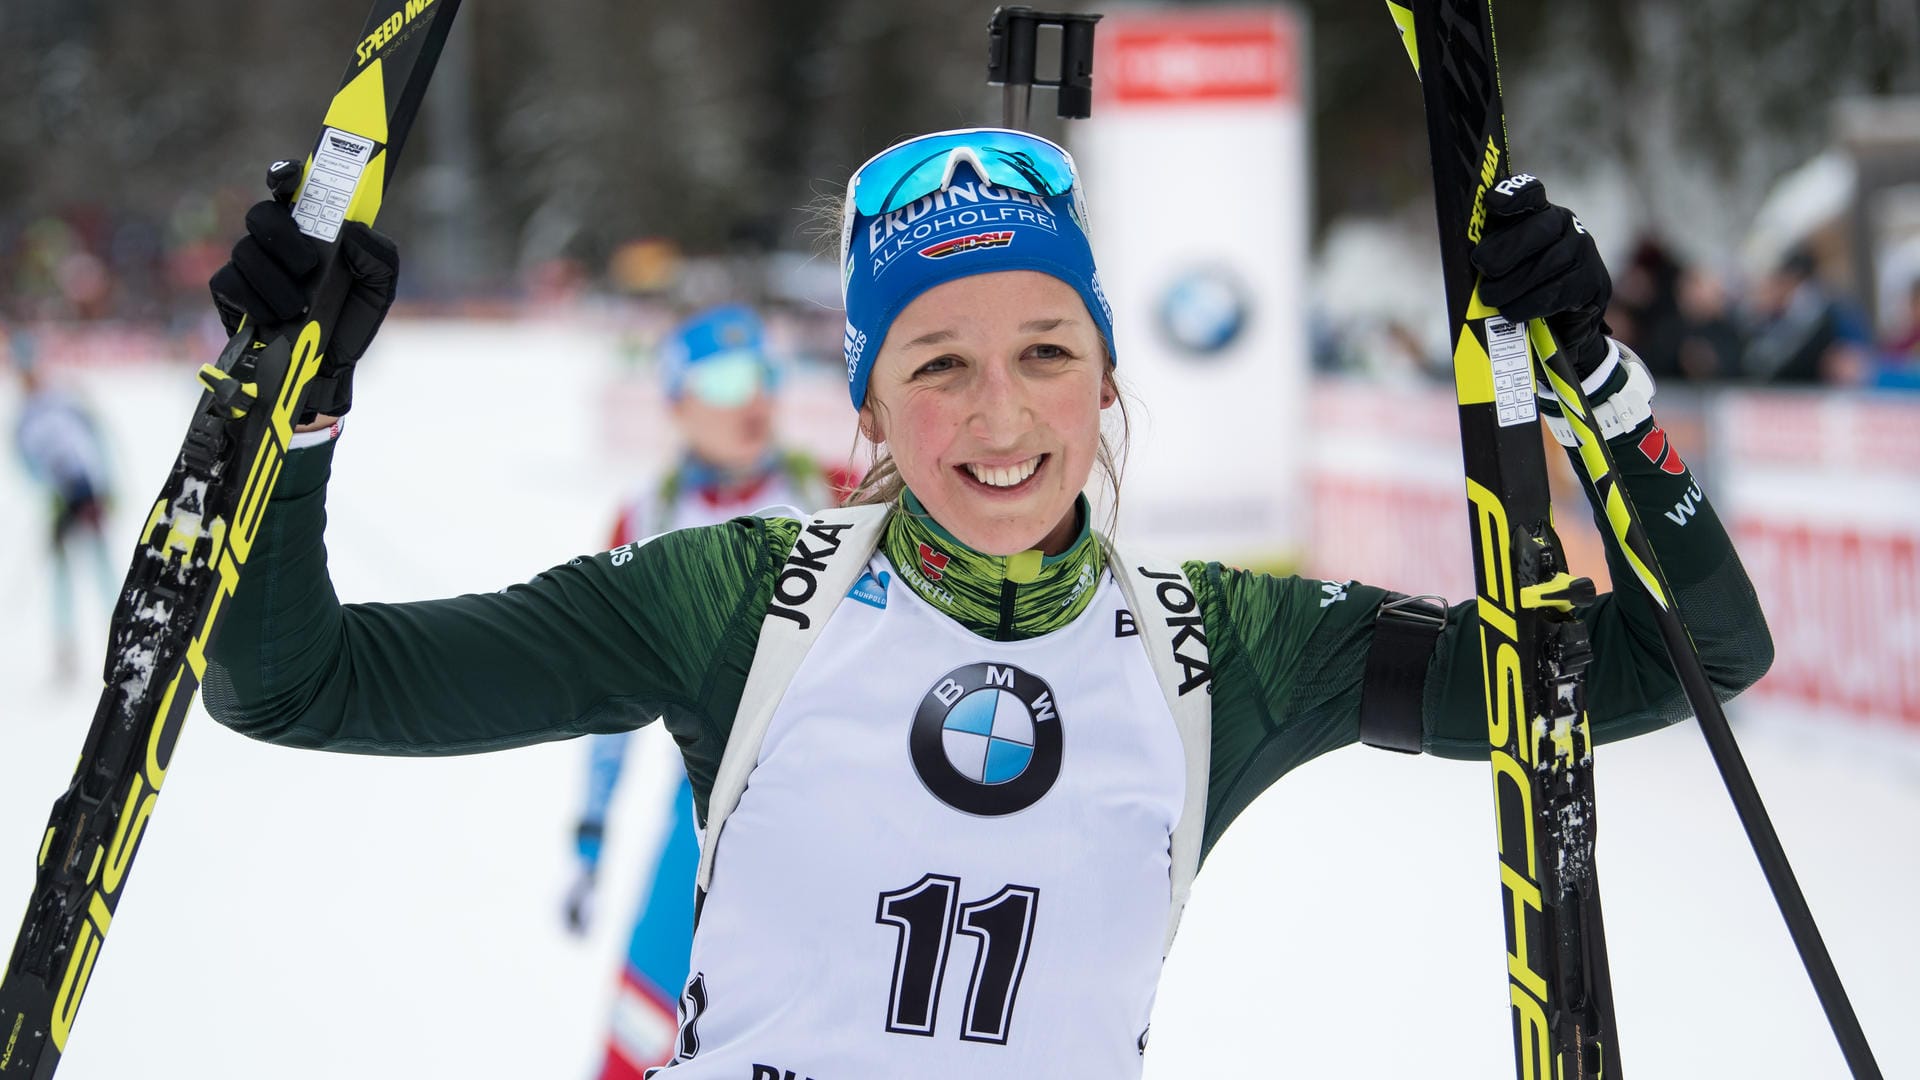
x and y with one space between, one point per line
870 425
1109 393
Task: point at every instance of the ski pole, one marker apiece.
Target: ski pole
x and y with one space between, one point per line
1012 52
1597 460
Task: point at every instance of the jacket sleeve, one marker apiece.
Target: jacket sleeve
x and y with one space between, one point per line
1289 653
1631 687
599 644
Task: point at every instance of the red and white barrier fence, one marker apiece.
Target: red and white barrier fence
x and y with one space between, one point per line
1820 490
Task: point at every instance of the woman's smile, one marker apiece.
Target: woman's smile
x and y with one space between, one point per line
1005 479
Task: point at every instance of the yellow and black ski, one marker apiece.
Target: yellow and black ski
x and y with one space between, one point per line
1533 651
194 547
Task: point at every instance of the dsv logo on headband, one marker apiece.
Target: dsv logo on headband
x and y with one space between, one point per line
960 245
969 223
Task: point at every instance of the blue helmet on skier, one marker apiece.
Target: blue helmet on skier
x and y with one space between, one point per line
718 356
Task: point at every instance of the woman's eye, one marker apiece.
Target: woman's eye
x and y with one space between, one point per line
1045 351
936 365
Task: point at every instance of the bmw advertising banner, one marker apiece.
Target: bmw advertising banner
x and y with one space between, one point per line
1196 168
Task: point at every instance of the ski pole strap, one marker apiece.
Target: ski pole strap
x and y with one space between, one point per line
1620 402
1404 632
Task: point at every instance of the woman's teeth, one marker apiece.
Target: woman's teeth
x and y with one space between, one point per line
1004 475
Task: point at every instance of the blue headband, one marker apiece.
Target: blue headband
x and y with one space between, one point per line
970 227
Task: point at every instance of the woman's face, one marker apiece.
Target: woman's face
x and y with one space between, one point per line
734 437
988 392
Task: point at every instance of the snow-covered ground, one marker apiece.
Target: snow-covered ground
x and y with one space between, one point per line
302 915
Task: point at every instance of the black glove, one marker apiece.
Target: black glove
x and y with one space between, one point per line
1537 261
272 275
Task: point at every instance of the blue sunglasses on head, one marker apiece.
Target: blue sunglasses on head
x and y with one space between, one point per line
905 172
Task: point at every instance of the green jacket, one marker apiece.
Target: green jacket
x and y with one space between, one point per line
667 630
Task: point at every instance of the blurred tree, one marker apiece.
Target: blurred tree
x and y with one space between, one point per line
1701 106
585 124
1369 133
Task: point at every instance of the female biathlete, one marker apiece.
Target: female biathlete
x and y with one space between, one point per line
721 387
956 758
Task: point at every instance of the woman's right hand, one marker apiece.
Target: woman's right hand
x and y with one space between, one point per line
270 281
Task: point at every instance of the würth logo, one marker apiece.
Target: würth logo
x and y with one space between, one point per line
1656 450
962 244
932 562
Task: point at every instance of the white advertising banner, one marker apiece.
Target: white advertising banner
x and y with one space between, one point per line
1195 162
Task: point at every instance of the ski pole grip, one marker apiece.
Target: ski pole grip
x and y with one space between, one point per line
1076 66
1013 51
1011 36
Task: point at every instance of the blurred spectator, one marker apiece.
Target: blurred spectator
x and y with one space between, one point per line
60 445
1710 338
1899 366
1646 307
1802 332
558 281
1903 348
88 262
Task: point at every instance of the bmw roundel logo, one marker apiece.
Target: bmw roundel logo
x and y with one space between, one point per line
986 739
1204 310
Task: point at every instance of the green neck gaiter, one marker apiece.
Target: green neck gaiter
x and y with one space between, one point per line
1002 597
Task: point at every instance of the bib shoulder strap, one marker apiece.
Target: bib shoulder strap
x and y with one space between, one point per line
1166 613
827 558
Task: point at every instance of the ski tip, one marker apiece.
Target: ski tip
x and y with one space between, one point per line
1403 18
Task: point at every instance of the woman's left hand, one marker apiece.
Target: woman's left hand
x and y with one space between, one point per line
1537 261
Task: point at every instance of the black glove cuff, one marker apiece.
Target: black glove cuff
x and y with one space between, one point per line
326 395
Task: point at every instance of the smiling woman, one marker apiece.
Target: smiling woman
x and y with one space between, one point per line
955 723
967 261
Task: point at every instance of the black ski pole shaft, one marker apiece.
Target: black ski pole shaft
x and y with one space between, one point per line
1631 539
